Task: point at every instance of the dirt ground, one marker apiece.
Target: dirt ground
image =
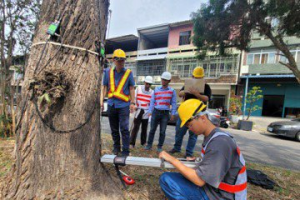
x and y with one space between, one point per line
147 187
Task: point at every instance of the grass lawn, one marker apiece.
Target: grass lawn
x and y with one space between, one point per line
146 178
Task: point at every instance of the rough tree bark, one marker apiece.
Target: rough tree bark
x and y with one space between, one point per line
51 165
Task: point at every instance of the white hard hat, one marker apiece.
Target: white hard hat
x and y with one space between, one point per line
166 76
149 79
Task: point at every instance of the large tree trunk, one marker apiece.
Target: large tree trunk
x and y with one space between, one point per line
52 165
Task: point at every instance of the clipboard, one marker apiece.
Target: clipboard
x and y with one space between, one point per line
196 83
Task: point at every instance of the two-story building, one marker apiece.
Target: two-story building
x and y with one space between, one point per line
261 67
221 73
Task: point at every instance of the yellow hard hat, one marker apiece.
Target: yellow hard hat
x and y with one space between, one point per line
198 72
119 53
189 109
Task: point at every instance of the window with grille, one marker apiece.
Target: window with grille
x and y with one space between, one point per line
186 72
132 66
185 38
151 68
213 67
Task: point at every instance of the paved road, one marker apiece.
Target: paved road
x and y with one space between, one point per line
256 147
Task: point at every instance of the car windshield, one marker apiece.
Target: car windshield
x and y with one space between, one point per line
296 120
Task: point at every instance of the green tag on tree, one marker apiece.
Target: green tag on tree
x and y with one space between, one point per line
102 52
52 28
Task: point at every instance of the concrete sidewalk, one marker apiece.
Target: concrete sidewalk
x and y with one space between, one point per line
261 123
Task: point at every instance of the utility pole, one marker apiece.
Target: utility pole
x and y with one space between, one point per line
109 19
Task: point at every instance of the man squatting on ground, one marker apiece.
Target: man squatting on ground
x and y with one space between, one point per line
221 174
161 100
119 83
142 96
192 93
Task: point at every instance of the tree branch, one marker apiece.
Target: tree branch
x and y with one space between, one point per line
285 64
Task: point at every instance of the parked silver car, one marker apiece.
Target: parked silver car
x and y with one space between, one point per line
289 129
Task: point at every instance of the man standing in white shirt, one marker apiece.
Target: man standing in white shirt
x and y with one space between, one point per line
143 97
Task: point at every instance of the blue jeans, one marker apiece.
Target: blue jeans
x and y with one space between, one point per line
159 117
176 186
180 132
119 121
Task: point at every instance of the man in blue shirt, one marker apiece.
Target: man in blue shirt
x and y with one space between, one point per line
192 93
162 98
118 83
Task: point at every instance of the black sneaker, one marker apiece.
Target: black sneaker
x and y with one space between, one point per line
116 151
173 151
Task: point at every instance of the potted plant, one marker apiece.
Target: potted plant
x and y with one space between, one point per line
252 97
235 104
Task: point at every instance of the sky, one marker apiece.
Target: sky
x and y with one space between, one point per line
129 15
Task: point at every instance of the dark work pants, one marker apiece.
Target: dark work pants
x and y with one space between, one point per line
136 126
119 121
159 117
180 132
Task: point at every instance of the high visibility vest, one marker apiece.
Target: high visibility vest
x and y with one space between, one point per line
117 92
163 97
143 98
239 189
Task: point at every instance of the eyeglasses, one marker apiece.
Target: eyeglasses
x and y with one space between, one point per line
188 122
119 59
148 84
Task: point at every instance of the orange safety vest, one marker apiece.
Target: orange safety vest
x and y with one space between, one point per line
118 92
143 99
239 189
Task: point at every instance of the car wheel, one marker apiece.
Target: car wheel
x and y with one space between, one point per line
298 136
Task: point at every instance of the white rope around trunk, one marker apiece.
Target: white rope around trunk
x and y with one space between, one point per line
67 46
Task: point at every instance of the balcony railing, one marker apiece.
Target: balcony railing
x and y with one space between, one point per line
268 69
212 73
151 54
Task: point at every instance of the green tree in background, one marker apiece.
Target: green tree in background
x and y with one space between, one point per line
18 19
224 24
252 97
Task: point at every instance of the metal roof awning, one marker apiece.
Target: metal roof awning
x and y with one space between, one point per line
158 27
123 38
181 23
176 56
127 43
269 76
154 57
